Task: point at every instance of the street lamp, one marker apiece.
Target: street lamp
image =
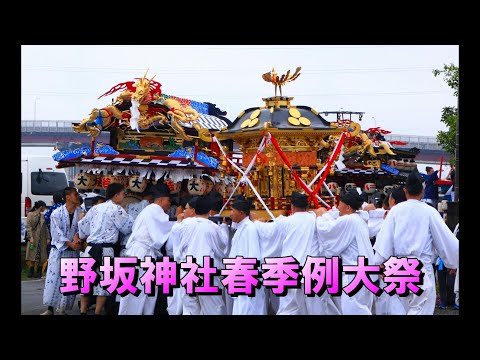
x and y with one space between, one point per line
36 99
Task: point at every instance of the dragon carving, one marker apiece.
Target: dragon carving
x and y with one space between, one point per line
359 142
142 114
99 119
180 114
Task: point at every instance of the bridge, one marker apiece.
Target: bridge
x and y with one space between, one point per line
430 149
60 134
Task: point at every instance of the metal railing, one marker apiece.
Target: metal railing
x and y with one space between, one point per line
59 126
65 126
418 141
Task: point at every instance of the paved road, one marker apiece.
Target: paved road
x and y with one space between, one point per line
32 298
32 295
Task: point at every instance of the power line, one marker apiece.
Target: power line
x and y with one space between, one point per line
259 47
67 93
385 93
166 72
193 96
51 93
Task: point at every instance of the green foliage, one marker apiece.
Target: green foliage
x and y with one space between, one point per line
447 139
450 75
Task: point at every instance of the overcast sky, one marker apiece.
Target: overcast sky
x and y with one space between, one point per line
393 85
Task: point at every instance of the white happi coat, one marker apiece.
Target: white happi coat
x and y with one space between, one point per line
292 236
375 221
271 241
246 243
205 241
177 246
103 222
133 209
224 232
414 229
271 237
61 232
149 233
102 225
347 237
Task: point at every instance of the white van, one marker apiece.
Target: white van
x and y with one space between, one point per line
40 180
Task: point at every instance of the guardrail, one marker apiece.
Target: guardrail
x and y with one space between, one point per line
65 126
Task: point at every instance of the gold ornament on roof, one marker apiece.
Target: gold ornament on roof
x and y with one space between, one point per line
279 81
296 118
252 120
294 112
293 121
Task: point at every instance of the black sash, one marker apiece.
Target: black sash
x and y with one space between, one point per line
96 251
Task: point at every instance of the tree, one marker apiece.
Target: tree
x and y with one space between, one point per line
447 139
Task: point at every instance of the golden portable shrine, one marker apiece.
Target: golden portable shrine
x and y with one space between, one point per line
153 137
189 145
287 147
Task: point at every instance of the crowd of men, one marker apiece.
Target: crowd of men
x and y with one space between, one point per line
409 229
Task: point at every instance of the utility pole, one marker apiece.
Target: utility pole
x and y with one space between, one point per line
36 98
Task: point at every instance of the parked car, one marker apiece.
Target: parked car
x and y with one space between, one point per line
88 198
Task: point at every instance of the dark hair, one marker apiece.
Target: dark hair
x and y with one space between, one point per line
216 201
378 201
113 189
414 190
58 198
160 190
364 197
148 190
192 202
353 199
299 200
81 200
184 201
385 201
414 183
202 205
398 195
242 204
67 191
96 199
247 212
428 168
173 201
38 204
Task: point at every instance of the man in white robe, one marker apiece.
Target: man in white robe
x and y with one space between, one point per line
375 220
293 236
271 235
456 286
100 227
413 229
205 241
384 303
347 237
63 227
134 209
176 247
225 231
246 243
149 233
